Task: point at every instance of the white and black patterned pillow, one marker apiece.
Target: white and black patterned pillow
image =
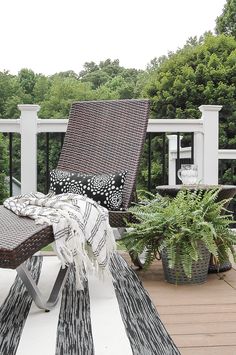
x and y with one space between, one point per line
106 189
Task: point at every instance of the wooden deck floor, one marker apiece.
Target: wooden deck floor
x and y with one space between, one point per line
200 318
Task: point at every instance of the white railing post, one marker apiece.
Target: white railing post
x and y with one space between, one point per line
172 148
28 130
198 154
210 116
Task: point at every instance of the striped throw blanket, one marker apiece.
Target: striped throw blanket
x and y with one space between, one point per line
81 228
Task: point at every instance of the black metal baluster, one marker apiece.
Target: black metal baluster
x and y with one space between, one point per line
178 158
47 163
62 138
10 137
149 161
163 158
192 148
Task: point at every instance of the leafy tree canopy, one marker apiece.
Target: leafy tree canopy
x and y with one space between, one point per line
105 71
60 94
106 80
226 22
27 80
200 73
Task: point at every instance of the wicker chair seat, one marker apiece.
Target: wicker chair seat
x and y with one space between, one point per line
20 238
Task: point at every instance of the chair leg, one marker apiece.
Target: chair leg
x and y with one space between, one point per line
118 232
34 291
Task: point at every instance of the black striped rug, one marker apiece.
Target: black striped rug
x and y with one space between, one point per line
110 317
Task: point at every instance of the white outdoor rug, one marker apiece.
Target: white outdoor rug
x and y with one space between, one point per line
107 318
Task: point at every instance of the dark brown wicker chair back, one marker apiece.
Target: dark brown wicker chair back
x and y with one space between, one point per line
106 137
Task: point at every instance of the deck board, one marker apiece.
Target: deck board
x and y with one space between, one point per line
196 340
213 350
201 328
200 318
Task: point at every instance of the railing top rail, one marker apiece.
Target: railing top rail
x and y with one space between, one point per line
175 125
52 125
10 125
154 125
227 154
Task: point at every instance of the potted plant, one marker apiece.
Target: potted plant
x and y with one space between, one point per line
184 230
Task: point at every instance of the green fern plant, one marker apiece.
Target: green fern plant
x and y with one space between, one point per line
178 225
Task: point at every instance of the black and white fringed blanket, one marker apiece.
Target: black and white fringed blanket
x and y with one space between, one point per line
110 317
82 233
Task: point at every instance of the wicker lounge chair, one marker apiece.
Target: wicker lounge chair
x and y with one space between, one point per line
102 137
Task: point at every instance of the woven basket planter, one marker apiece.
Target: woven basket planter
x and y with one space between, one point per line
199 269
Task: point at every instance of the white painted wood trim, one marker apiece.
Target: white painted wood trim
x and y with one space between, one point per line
227 154
175 125
52 125
28 130
10 125
210 116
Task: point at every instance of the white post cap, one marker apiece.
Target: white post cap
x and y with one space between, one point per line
27 107
204 108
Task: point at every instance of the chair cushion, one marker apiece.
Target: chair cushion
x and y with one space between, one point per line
106 189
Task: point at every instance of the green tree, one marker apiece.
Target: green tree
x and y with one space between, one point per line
89 67
61 93
104 72
116 88
27 80
66 74
41 88
5 90
226 22
203 73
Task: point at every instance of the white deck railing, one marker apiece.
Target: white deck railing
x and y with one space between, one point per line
205 129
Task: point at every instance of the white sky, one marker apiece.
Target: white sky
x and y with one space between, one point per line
48 36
